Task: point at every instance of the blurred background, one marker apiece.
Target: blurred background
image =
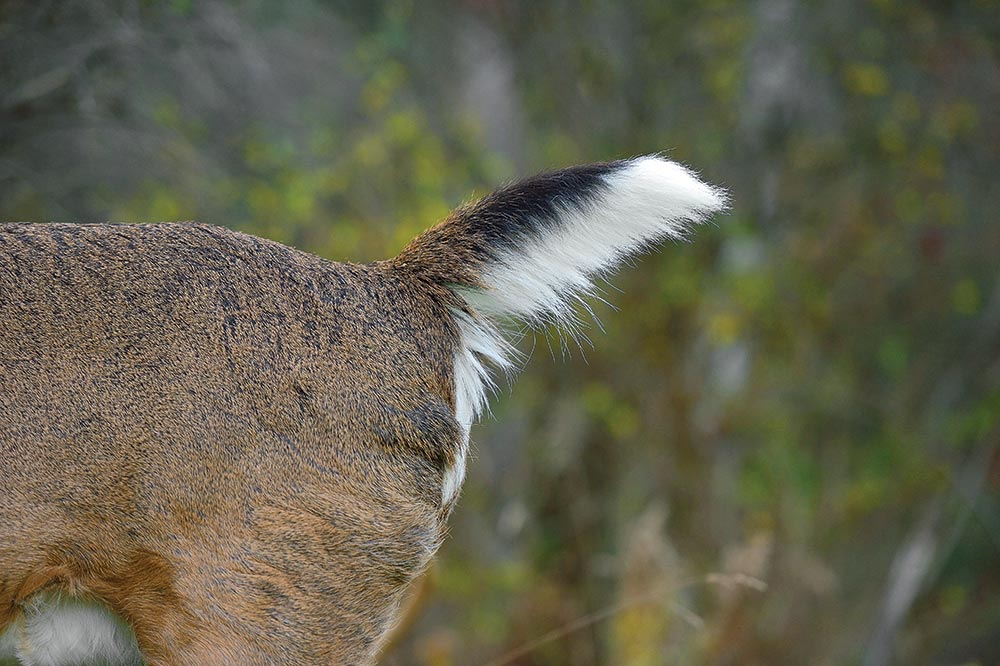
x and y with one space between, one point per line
784 447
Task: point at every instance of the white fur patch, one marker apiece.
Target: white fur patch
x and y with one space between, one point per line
480 342
56 629
649 199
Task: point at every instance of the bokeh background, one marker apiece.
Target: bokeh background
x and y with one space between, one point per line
807 397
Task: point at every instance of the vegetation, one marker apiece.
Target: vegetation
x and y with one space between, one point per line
808 395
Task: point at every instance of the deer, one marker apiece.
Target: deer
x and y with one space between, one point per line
218 449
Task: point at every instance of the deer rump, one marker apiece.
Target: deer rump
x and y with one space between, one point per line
215 449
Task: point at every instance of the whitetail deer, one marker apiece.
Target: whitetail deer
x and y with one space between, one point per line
215 449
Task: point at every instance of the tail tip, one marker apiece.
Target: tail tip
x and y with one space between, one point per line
670 184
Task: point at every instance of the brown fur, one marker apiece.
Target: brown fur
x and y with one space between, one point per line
236 446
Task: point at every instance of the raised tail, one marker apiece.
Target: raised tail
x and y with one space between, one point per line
531 250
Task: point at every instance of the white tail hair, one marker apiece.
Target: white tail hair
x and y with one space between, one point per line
533 250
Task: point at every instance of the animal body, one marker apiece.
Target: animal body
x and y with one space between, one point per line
215 449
